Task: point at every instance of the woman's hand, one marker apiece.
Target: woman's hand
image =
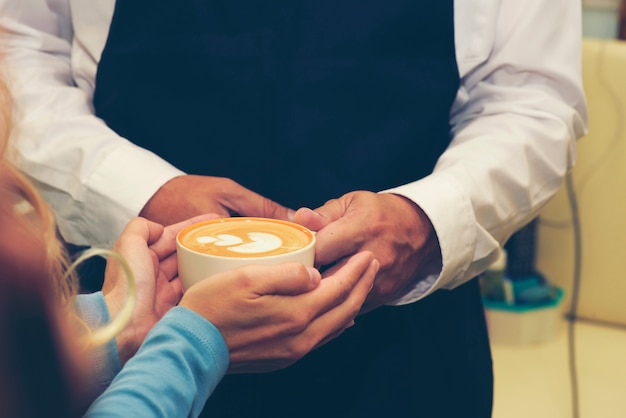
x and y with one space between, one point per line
271 316
150 250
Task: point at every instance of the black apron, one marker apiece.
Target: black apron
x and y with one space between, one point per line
303 101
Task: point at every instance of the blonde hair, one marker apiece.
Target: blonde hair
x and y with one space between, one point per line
36 217
107 332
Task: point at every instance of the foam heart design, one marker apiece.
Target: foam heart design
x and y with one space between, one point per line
222 240
261 242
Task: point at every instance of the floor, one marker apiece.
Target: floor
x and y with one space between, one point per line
533 380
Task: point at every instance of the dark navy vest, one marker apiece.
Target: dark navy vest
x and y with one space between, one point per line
303 101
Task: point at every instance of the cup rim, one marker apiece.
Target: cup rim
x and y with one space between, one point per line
302 228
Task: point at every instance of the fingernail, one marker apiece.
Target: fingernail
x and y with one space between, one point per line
314 274
315 213
311 211
291 214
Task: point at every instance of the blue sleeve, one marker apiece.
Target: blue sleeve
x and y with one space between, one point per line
178 366
104 360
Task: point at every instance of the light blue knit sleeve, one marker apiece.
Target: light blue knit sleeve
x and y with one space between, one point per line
178 366
104 360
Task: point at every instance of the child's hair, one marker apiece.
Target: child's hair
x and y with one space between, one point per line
36 216
39 375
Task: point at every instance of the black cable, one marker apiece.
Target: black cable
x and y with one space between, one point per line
582 181
573 310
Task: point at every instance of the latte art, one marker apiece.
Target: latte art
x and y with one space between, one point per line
250 237
258 242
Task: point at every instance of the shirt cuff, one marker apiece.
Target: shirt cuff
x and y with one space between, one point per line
125 180
451 213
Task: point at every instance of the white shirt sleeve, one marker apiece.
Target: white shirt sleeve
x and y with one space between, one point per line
517 116
95 180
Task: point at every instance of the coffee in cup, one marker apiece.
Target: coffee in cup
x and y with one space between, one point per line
210 247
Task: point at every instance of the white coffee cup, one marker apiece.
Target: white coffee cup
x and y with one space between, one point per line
218 245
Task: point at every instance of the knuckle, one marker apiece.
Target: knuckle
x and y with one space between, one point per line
298 348
344 293
354 306
224 184
270 207
245 277
295 322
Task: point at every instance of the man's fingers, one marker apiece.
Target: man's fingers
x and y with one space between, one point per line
245 202
310 219
331 221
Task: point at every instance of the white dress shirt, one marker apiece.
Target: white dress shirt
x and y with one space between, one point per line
516 118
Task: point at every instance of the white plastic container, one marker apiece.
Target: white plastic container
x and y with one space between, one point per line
514 324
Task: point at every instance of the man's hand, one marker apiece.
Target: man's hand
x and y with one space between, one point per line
190 195
394 229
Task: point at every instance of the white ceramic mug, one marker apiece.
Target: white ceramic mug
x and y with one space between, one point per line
218 245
